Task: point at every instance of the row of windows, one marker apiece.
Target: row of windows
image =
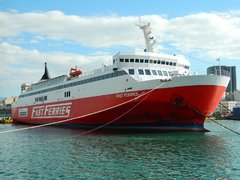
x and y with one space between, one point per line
163 62
23 113
148 61
149 72
106 76
49 82
42 98
67 94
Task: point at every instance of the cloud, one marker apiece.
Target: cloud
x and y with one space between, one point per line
211 34
87 31
20 65
207 35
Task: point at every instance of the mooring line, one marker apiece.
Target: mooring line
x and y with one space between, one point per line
200 113
225 127
129 110
79 117
99 127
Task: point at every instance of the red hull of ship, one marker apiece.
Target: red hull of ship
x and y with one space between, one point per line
183 108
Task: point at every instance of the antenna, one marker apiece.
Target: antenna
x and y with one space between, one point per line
149 40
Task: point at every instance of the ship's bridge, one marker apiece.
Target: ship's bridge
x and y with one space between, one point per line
152 65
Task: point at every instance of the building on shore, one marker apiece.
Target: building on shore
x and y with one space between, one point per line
229 71
226 105
9 100
5 107
232 96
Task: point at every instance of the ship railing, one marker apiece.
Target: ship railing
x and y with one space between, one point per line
48 82
104 68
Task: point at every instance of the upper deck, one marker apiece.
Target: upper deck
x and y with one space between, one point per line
174 65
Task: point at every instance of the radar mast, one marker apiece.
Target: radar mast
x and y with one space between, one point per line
149 40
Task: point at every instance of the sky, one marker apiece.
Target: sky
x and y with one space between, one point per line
69 33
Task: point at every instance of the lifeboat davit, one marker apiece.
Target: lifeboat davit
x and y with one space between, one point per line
74 72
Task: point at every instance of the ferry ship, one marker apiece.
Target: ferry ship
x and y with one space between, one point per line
139 90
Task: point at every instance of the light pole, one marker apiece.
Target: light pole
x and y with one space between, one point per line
220 71
220 103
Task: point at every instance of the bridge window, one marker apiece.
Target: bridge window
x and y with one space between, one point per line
165 73
146 60
126 60
163 62
151 61
147 72
137 60
154 72
121 60
167 63
155 62
141 60
140 72
131 60
171 63
160 73
131 71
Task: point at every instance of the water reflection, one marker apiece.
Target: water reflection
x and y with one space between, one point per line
106 154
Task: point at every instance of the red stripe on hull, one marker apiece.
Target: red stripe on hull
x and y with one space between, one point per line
169 106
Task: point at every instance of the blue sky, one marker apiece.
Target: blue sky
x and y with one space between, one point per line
172 8
66 33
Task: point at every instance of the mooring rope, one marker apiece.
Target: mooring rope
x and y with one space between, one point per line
200 113
225 127
99 127
96 128
79 117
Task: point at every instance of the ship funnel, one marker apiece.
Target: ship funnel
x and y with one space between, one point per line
46 75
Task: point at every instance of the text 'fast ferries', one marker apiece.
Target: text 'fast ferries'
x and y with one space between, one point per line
52 111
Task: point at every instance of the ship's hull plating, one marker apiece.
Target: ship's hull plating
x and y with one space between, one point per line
175 108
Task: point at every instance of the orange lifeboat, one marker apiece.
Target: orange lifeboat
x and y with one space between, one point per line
74 72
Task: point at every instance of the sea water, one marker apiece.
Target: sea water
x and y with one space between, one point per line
65 153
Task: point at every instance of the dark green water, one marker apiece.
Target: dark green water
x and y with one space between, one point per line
54 153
